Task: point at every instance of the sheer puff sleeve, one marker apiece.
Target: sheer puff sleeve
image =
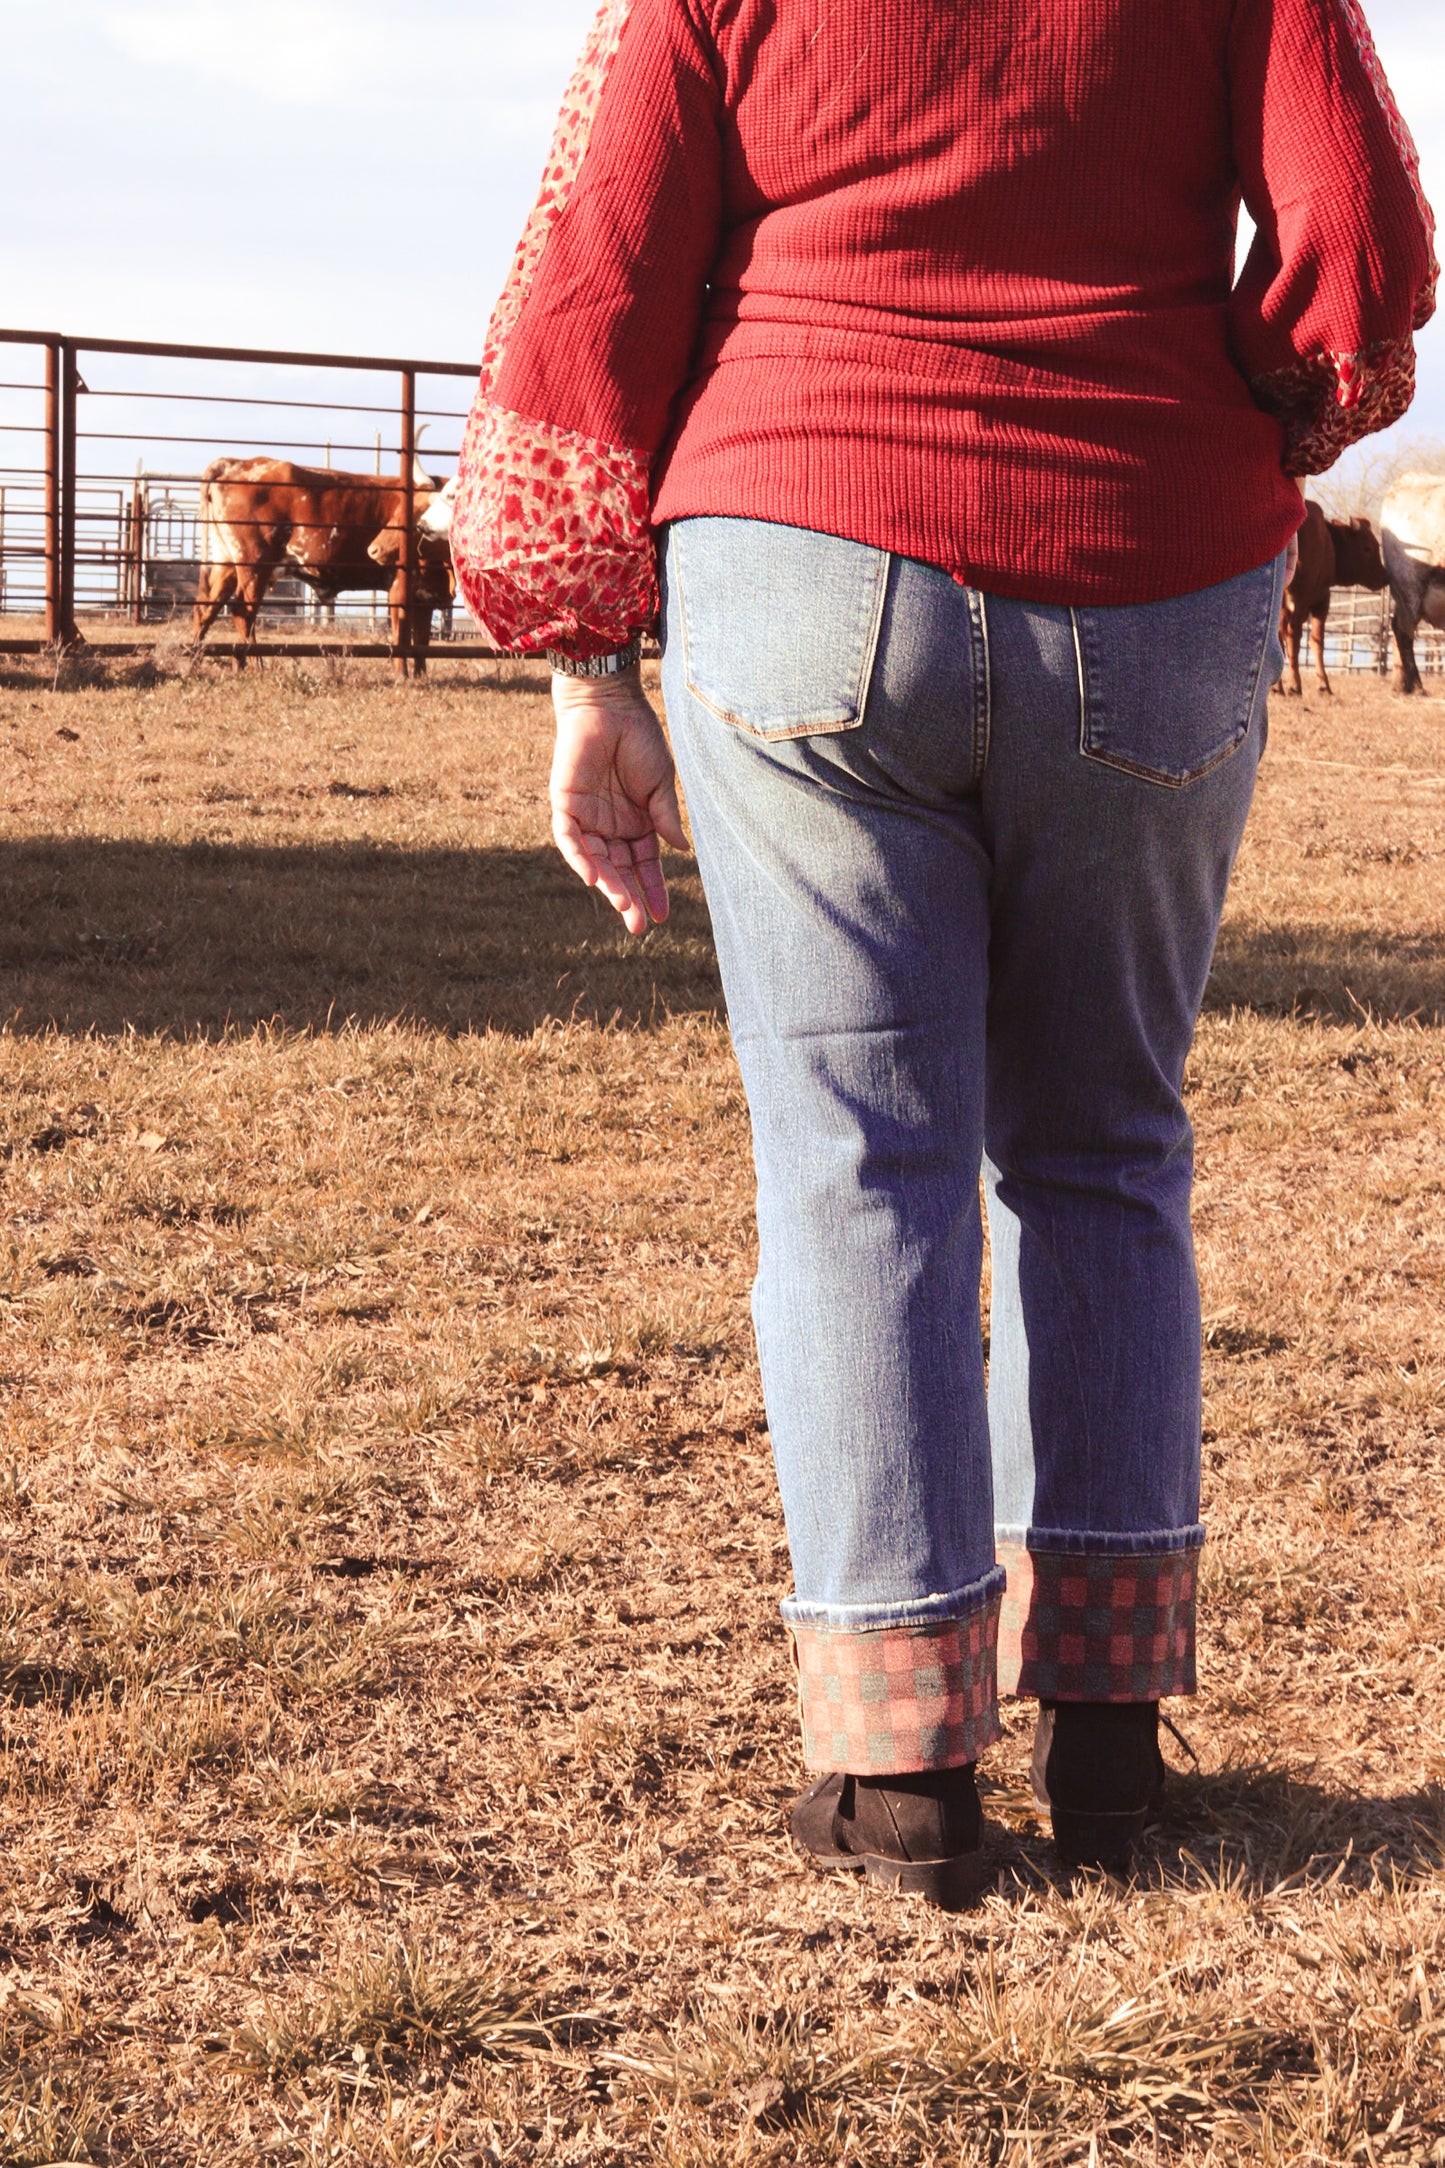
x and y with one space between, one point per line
590 344
1342 270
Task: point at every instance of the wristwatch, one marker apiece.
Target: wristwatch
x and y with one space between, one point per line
597 666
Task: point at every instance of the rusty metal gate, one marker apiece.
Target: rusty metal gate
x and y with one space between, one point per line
104 441
1358 635
99 509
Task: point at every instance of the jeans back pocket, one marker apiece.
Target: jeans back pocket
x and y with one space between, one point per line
1168 690
780 625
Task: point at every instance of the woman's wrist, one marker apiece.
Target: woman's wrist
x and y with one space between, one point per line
623 689
597 667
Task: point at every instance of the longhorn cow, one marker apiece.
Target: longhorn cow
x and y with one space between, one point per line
337 532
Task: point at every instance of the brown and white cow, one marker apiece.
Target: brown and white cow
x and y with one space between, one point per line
436 520
337 532
1332 553
437 585
1412 526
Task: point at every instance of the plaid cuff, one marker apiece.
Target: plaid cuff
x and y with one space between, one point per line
897 1698
1097 1626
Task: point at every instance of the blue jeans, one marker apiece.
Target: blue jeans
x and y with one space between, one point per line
966 860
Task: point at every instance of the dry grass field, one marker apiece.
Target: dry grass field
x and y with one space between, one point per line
396 1722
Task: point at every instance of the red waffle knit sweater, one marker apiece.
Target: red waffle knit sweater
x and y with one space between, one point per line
950 277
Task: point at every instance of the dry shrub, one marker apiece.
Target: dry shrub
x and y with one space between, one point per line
1362 480
407 2004
43 2123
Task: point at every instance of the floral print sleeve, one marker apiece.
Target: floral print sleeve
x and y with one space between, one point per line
551 532
1328 402
1348 367
551 537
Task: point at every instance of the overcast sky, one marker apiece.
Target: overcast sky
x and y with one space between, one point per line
343 174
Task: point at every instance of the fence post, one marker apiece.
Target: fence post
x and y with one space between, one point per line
52 491
139 543
65 631
406 575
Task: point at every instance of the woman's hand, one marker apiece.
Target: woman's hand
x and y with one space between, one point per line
614 801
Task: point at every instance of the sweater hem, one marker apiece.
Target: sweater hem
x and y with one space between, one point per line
1053 498
1133 572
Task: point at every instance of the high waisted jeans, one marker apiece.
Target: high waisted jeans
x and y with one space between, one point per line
966 860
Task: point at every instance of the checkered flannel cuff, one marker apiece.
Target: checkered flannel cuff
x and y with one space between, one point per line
1097 1626
897 1698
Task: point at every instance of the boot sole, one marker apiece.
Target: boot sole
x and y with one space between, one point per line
1098 1840
951 1884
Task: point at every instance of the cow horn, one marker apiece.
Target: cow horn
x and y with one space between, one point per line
420 479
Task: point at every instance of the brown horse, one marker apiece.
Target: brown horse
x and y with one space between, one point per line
1332 553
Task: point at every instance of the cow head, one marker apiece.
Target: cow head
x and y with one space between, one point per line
437 518
433 520
1358 562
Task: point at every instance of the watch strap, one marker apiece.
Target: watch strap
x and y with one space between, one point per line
597 666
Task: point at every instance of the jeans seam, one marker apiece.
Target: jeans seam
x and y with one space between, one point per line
1172 782
1103 1543
982 684
901 1614
1276 604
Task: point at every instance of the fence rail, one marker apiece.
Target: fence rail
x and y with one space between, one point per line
1358 635
83 535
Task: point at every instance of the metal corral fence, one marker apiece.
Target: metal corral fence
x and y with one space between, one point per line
100 504
105 441
1358 635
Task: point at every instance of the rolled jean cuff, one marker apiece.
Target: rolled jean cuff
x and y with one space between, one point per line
911 1686
1098 1617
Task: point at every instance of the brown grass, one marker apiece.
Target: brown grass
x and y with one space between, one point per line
396 1723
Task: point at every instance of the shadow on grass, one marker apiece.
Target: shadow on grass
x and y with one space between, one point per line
1257 1829
1330 971
1262 1827
195 939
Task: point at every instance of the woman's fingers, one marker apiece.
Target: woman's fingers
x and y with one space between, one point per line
629 875
567 835
665 815
651 880
617 879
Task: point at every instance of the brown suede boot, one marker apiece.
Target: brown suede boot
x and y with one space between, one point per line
1099 1775
921 1832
